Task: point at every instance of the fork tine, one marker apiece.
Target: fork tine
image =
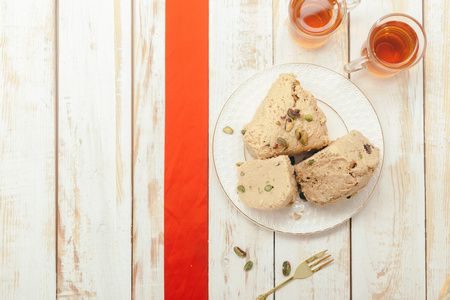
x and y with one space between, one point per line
316 256
322 266
318 261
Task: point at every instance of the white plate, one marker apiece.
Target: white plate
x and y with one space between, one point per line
345 107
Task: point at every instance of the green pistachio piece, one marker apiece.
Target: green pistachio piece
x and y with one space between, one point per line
289 124
304 139
298 133
308 118
248 266
239 252
268 188
286 268
228 130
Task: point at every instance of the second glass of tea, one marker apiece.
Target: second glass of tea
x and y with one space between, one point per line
396 42
312 22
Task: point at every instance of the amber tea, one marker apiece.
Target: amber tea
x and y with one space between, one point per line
316 16
313 21
396 42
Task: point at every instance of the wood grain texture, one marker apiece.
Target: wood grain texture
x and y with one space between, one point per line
240 44
148 150
388 235
27 155
95 258
437 147
94 158
334 282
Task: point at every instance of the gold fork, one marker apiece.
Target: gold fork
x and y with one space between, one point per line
306 269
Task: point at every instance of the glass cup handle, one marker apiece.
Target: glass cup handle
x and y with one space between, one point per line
351 4
356 65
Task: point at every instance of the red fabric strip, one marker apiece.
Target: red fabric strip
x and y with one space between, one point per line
186 151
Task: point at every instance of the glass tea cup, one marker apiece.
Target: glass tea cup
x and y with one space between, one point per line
312 22
395 42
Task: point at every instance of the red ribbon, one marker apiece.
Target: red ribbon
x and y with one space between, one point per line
186 151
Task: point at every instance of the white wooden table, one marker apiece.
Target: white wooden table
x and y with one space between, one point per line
81 155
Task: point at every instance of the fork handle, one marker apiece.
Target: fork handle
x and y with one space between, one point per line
264 296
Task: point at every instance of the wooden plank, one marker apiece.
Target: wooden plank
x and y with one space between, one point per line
334 283
27 150
148 150
94 190
388 258
240 44
437 147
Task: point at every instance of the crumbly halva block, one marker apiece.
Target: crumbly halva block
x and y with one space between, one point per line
338 171
267 184
288 122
